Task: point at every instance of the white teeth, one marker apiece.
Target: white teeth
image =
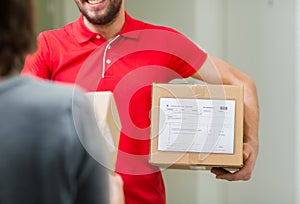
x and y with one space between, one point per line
95 1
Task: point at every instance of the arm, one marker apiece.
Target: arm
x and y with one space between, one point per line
38 64
116 189
216 71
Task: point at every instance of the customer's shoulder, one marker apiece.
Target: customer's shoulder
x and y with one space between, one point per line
52 93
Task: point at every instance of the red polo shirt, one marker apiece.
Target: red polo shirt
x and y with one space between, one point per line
126 65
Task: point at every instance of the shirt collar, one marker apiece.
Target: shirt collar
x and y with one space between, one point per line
131 27
83 34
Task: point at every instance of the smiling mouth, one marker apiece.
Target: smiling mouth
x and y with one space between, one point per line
94 1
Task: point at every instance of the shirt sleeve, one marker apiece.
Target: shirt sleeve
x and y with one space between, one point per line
186 56
39 64
191 56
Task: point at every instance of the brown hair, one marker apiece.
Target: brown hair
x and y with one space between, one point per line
17 33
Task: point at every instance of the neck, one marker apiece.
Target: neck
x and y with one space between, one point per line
108 31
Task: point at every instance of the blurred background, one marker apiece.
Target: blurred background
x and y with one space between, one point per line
260 37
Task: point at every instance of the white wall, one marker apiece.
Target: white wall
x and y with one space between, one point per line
167 12
260 40
210 22
297 107
71 11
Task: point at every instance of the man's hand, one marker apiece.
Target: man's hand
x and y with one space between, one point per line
116 189
250 154
217 71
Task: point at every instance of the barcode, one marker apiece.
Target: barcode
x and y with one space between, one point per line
223 108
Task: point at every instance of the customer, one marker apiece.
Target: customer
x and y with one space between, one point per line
107 50
42 157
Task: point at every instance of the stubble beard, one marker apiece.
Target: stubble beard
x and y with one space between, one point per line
106 19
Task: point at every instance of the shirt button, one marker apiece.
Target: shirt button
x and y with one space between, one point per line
108 47
108 61
98 37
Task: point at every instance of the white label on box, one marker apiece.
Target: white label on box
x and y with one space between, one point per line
196 125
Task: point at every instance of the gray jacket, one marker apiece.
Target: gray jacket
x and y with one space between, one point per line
42 159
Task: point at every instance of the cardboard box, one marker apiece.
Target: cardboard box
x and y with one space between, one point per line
197 126
107 116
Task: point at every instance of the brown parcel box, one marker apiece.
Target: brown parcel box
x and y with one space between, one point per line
107 116
181 146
